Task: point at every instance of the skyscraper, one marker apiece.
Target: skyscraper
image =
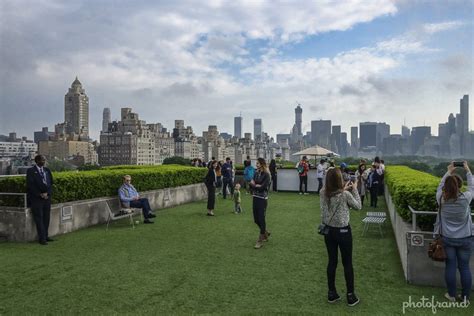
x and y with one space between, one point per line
238 126
418 136
106 120
354 136
336 139
257 129
321 133
76 110
464 115
299 119
368 134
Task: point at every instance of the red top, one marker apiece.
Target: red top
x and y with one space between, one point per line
305 167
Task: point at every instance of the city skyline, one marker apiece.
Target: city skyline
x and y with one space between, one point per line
389 61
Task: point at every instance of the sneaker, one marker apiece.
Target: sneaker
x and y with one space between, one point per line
449 298
258 245
301 193
333 297
147 221
462 298
352 299
267 234
306 193
151 215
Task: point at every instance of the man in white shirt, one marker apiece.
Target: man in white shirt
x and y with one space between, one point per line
320 173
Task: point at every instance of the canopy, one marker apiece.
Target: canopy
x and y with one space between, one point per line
315 151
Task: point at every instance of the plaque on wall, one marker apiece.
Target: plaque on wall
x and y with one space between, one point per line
66 214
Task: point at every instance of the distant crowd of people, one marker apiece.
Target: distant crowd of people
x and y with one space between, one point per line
340 190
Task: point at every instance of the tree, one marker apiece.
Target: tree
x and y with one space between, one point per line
177 161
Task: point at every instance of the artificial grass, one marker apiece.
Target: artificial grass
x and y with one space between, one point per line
191 263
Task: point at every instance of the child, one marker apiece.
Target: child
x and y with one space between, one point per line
237 200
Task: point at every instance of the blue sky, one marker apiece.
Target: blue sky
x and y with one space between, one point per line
204 62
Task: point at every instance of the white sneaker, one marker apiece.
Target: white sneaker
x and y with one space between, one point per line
449 298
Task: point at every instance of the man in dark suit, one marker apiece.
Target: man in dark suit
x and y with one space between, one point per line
39 182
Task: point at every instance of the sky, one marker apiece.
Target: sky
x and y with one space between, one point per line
208 61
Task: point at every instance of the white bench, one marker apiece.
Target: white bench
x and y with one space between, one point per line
124 213
377 218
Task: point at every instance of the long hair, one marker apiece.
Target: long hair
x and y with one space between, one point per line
333 182
263 164
452 187
360 168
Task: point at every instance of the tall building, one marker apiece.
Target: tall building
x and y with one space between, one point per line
298 119
354 137
383 131
127 142
44 134
76 111
368 134
321 133
257 129
405 131
418 136
106 119
464 115
238 126
336 139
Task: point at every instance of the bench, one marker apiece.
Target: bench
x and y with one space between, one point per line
123 213
377 218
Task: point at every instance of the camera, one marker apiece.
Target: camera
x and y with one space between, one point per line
458 163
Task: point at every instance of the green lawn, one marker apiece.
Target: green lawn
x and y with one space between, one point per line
190 263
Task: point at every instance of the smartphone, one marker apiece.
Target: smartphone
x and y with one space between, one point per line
458 164
353 178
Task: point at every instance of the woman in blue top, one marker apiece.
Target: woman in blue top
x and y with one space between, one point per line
455 227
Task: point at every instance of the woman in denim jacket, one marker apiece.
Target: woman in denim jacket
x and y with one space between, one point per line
456 229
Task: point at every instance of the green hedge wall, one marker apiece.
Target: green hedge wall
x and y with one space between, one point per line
73 186
415 188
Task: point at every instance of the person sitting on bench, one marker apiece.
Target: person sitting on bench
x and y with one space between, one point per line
129 197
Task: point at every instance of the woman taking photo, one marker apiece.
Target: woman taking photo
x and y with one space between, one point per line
455 227
336 198
260 185
210 182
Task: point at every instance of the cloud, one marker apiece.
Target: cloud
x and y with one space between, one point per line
432 28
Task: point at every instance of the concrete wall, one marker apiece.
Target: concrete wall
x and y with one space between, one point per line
17 224
289 180
418 268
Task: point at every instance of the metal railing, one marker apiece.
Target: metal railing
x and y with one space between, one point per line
17 194
414 213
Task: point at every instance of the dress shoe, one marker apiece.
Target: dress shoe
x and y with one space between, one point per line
49 239
147 221
43 243
151 215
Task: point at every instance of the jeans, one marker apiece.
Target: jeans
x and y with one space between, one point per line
143 204
339 238
237 208
458 253
227 182
274 182
320 184
374 195
304 179
259 210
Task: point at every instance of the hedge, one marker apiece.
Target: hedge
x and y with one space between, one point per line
73 186
415 188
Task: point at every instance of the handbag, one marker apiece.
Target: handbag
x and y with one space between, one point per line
323 229
436 248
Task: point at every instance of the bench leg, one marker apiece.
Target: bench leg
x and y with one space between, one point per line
108 222
131 221
380 228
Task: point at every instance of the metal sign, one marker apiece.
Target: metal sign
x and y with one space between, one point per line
66 213
417 240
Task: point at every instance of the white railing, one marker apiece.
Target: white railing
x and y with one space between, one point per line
17 194
414 213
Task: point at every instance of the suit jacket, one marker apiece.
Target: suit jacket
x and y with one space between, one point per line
35 185
210 178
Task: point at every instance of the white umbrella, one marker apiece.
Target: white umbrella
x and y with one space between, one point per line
315 151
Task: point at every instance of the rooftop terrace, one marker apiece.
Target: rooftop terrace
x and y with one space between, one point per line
190 263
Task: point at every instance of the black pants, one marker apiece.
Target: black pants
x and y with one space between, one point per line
304 179
227 182
211 197
320 184
274 182
143 204
339 238
374 190
259 210
41 213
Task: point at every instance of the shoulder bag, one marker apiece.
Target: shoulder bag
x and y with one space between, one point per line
436 248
